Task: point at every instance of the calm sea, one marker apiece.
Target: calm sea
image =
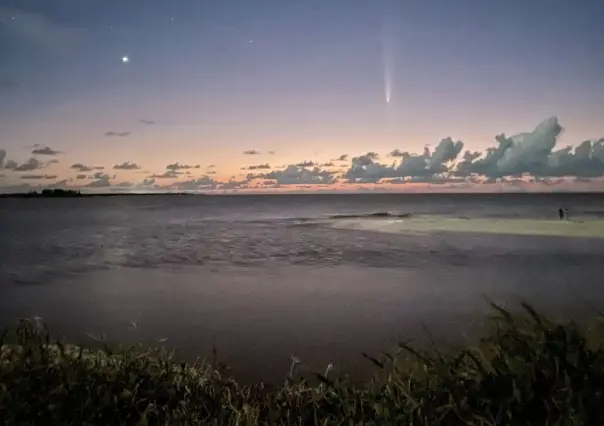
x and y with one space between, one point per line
262 278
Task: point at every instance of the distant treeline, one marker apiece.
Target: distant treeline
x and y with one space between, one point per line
68 193
46 193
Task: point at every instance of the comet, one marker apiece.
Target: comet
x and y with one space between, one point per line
387 84
387 62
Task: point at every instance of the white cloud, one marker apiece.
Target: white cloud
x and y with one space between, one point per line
533 153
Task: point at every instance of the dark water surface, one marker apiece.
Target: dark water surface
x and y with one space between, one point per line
259 279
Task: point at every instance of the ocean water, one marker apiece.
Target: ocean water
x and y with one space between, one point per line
262 278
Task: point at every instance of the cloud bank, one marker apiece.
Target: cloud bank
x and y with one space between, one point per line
514 161
530 153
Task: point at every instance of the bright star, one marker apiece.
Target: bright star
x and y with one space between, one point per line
125 59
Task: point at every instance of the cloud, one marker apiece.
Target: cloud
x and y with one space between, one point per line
251 152
170 174
127 166
124 185
204 182
10 165
147 122
79 177
265 166
45 150
296 175
343 157
33 177
211 172
445 152
532 153
526 154
102 181
29 165
111 133
330 164
306 164
522 153
233 184
211 166
84 168
465 166
585 161
177 166
271 152
147 183
365 168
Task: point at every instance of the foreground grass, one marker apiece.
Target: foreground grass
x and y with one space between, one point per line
527 371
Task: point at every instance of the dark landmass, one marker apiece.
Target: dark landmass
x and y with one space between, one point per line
68 193
527 371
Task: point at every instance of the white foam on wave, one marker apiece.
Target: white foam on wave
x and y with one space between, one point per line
427 224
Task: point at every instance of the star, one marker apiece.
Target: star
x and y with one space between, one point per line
125 59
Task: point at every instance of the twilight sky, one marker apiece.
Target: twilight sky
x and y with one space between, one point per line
275 95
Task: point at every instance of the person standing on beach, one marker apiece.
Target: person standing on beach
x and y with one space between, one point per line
561 213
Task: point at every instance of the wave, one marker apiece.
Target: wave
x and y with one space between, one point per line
380 215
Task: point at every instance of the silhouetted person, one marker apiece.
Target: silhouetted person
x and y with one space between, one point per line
566 214
561 213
